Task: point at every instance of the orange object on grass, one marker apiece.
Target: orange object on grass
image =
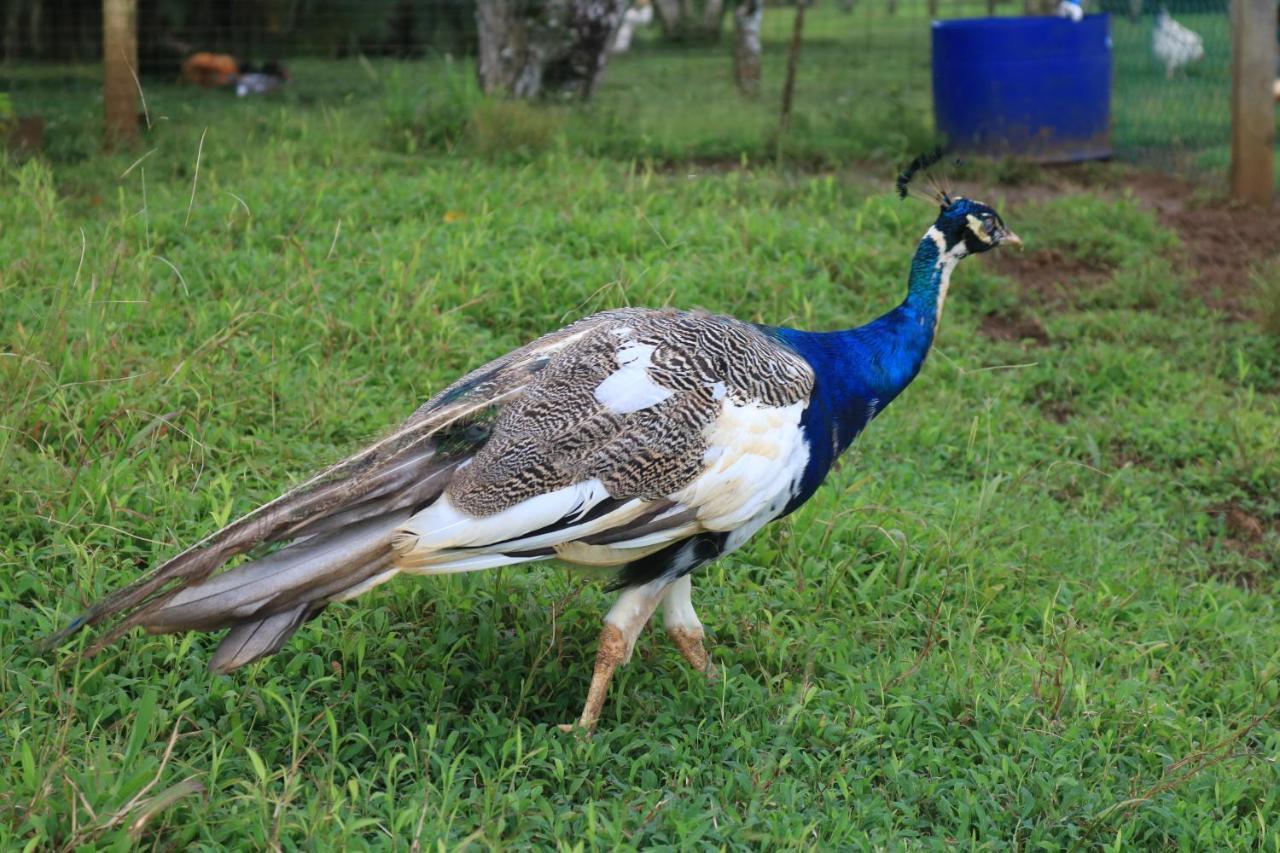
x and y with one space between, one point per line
210 70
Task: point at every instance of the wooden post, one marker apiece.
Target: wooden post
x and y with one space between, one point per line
1253 117
119 60
793 62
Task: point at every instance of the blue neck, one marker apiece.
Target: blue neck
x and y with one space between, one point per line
929 273
860 371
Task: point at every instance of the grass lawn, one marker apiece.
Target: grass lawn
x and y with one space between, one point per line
1036 607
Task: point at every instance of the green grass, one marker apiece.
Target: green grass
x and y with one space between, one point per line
1023 613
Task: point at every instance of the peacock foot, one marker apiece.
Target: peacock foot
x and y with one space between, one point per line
689 642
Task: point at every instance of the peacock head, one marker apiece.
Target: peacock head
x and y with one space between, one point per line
964 227
971 223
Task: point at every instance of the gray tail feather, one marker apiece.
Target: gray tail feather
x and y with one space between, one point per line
259 637
339 525
264 601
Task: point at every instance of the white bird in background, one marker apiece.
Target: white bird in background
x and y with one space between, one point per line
1072 9
639 15
1173 44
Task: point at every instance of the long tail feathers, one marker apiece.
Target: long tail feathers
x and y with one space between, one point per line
332 520
248 641
340 526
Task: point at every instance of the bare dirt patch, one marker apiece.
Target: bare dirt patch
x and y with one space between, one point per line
1049 275
1244 533
1223 241
1002 327
1058 407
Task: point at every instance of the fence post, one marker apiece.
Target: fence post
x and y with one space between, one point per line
119 59
793 62
1253 117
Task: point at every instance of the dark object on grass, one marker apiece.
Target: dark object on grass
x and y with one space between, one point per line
271 77
651 441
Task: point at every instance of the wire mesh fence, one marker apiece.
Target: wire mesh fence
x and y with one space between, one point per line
865 74
1171 94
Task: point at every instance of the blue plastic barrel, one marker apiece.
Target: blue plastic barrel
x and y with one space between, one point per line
1031 87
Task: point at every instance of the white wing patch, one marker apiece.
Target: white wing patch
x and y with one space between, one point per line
442 539
442 526
755 457
630 388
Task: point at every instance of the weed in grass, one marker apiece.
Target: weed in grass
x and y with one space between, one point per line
1267 285
512 128
428 112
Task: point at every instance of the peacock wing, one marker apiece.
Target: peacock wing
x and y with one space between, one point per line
640 432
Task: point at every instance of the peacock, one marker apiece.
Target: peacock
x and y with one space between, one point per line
651 441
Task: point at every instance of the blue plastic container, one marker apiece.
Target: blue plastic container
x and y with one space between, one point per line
1038 88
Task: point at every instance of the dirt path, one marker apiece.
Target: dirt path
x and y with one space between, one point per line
1225 242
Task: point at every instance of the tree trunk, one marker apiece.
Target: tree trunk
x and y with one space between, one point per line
712 15
33 26
668 15
555 47
11 32
748 17
119 59
591 25
508 61
690 20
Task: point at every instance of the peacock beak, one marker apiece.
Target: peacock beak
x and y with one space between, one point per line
1011 239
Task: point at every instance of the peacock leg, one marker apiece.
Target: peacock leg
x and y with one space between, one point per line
622 626
683 626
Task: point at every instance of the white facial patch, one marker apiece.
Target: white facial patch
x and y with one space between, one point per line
979 230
